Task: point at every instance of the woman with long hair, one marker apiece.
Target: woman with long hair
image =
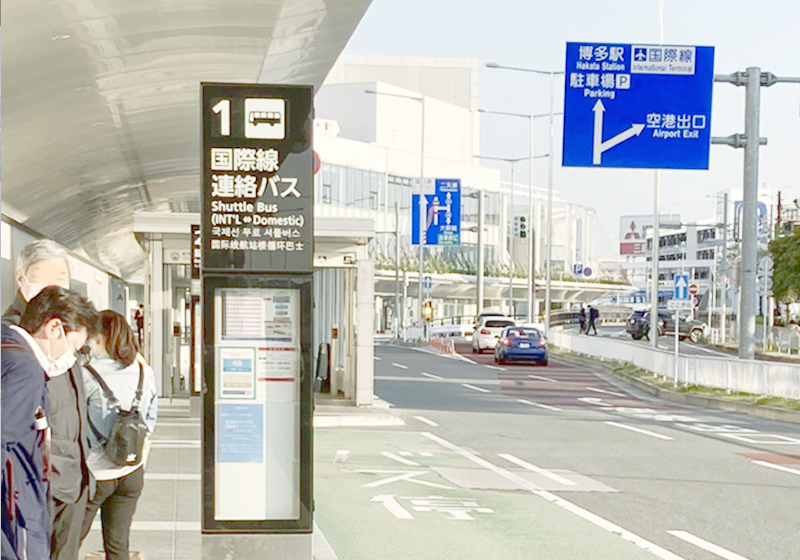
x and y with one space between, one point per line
115 361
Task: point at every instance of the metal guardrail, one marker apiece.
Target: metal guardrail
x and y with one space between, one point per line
557 317
775 379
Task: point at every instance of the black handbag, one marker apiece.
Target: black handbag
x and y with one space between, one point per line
125 445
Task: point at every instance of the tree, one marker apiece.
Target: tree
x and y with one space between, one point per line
785 253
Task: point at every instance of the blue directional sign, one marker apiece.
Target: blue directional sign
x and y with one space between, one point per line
427 283
637 106
681 287
443 207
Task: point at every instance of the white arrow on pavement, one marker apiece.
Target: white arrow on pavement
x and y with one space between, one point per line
393 506
599 145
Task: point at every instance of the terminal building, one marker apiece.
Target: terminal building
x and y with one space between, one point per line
131 239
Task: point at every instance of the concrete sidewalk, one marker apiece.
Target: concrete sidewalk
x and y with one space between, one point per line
167 524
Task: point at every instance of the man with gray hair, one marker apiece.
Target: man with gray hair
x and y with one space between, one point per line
45 263
41 263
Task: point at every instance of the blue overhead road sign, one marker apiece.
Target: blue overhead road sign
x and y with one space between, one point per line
637 106
681 286
443 214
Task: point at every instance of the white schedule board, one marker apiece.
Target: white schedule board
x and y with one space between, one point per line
257 411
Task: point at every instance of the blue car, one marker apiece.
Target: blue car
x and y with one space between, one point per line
521 344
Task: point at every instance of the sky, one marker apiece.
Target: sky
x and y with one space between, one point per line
534 33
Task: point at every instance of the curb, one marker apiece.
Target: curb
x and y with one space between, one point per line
716 403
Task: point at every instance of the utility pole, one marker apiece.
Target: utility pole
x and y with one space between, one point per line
480 265
753 79
724 267
398 308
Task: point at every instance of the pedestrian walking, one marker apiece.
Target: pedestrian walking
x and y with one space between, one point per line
594 314
139 319
116 373
54 325
45 263
583 319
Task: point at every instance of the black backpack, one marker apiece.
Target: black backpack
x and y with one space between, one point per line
125 445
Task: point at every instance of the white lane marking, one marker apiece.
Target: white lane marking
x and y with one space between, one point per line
604 391
497 368
462 357
427 453
401 366
776 439
377 359
474 388
537 470
406 453
776 467
393 506
561 502
543 378
640 430
432 376
399 459
427 421
408 476
705 545
547 406
594 400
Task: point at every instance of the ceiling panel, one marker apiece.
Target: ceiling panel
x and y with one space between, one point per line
101 102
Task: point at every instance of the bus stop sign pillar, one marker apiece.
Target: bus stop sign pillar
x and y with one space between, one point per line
257 237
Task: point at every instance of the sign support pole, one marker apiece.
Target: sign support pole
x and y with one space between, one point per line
531 232
747 324
511 312
656 218
423 222
398 309
656 246
479 260
677 345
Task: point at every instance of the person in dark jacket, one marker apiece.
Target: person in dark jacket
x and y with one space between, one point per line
53 327
45 263
593 315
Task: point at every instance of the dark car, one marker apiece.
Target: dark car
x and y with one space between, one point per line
639 326
522 344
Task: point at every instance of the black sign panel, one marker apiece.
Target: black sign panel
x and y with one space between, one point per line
197 252
257 178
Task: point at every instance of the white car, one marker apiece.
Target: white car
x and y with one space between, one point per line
488 331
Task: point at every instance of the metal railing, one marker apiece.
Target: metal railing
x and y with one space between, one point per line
775 379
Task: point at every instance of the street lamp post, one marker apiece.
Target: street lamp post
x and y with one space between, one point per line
533 233
423 222
549 250
512 161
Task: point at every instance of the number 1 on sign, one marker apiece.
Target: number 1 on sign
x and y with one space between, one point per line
223 108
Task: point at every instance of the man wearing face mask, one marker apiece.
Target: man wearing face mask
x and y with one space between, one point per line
45 263
55 324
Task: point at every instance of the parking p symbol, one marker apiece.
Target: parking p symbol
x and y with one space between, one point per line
623 81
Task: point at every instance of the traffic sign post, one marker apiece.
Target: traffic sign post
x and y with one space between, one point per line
680 300
637 106
427 283
443 216
681 287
